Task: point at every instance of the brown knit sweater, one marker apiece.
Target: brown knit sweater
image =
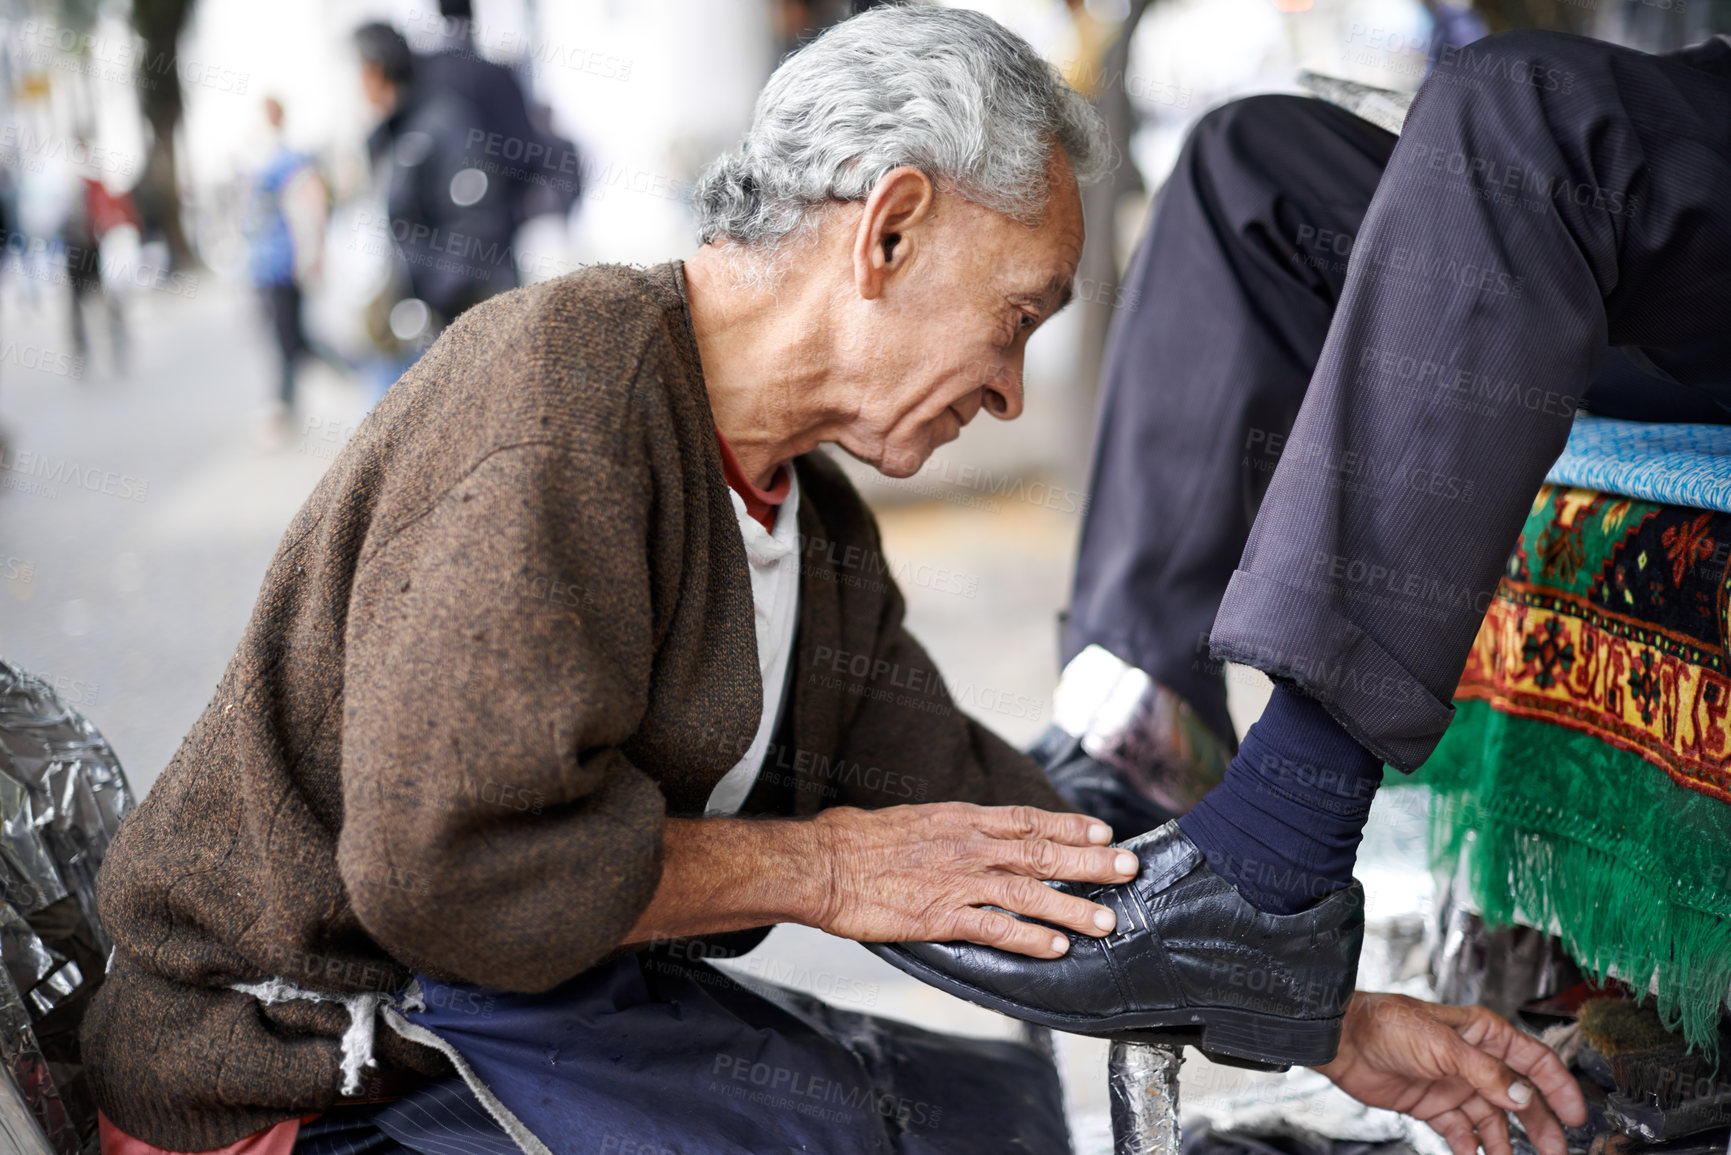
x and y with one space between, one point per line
507 634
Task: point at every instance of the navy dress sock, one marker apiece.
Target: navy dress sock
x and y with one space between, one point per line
1284 824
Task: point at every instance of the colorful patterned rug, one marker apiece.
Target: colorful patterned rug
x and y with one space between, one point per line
1584 783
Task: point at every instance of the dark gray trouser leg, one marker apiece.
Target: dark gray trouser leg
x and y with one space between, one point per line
1597 179
1225 311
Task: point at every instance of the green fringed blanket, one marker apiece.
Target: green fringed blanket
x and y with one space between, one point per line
1585 781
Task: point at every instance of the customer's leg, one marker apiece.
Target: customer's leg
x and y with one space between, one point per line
1224 314
1595 179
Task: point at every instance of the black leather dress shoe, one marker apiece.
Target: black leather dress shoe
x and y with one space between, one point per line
1190 962
1095 788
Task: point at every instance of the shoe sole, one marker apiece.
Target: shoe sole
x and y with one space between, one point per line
1224 1035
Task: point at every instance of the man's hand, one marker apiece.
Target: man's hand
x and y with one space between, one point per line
925 873
1457 1069
907 873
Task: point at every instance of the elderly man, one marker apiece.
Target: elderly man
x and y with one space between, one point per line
577 648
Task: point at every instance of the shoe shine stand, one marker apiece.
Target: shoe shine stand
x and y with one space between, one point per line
1143 1079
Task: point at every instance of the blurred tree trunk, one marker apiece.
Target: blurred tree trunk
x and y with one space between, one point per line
160 23
1097 277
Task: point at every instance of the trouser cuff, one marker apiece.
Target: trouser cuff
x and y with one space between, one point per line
1292 635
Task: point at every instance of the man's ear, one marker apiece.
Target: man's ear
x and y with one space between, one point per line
888 228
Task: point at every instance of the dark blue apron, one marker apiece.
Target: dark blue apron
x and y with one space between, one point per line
655 1055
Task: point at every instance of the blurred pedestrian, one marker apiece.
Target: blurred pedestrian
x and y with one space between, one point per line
450 222
538 168
10 241
95 213
285 230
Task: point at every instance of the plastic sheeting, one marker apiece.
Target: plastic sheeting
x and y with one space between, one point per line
18 1128
32 1079
62 796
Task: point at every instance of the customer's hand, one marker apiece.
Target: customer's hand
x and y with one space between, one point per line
1457 1069
926 873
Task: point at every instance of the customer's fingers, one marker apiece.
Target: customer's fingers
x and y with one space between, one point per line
1033 823
1536 1064
1491 1124
1025 896
1544 1070
1543 1129
1489 1076
1501 1089
1456 1130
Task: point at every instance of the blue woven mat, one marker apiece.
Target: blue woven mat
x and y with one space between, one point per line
1688 465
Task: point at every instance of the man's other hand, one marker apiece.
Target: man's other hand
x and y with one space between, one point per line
1457 1069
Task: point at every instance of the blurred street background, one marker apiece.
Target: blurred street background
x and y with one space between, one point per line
151 451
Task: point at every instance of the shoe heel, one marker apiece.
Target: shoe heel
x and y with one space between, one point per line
1269 1041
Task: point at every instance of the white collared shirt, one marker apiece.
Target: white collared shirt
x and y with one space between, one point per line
773 558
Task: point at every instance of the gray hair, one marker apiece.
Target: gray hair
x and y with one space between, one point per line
948 91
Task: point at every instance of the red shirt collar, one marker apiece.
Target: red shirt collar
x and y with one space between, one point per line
761 504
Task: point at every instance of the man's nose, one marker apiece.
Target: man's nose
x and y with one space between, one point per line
1004 392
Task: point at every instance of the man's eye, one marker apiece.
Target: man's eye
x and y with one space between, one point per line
1027 322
